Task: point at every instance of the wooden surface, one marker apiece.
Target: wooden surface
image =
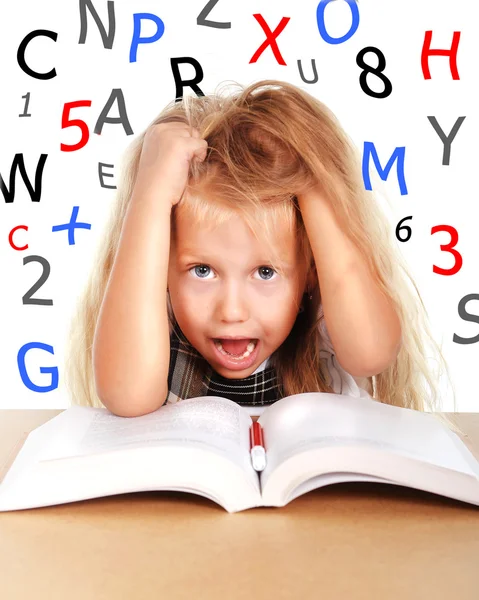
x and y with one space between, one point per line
348 541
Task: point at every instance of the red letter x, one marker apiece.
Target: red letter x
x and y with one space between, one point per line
270 39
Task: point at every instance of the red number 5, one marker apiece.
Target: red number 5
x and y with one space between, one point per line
67 122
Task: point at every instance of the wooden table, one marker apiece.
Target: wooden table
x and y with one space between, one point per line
348 541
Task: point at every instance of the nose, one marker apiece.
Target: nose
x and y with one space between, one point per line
232 304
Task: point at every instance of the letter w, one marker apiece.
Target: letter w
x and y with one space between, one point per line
35 193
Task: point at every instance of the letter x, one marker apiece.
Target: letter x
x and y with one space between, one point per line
270 39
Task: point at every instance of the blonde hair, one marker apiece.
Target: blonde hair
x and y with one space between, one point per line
267 144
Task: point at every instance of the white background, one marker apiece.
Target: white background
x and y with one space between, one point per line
437 194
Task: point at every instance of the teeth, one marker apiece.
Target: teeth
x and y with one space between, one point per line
249 349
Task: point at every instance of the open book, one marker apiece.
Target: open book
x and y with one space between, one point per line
202 446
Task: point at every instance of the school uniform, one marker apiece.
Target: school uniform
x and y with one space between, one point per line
190 376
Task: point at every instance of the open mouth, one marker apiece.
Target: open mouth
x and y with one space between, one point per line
249 349
236 361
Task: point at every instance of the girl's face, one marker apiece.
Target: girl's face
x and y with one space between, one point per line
221 284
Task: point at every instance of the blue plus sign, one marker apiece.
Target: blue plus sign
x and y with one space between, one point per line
71 226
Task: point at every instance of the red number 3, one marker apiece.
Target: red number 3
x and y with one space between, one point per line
448 248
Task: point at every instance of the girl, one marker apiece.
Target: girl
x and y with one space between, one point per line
246 216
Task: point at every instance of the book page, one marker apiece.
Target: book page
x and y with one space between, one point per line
313 420
210 422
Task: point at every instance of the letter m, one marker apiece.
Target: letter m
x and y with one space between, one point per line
370 150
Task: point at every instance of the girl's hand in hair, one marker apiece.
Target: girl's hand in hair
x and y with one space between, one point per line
165 158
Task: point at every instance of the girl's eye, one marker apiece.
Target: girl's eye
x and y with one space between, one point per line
199 268
269 272
200 271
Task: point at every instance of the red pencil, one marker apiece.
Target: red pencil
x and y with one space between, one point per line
258 452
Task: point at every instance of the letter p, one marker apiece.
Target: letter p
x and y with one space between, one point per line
137 39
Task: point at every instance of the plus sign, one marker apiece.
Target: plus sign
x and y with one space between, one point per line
71 226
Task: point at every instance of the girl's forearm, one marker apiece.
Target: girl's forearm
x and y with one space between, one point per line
131 349
362 323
